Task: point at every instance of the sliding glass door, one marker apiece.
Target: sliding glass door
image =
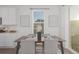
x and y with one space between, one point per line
74 27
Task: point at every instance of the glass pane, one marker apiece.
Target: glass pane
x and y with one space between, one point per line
38 16
74 27
36 26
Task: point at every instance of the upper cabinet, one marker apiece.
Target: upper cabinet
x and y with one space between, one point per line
8 16
25 21
4 16
12 16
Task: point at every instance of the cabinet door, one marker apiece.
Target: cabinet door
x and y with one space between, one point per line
12 16
4 16
0 12
25 20
3 41
8 16
11 40
51 23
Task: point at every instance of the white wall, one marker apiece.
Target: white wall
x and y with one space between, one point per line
53 30
60 30
65 17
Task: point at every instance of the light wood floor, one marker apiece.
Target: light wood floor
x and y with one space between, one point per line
7 50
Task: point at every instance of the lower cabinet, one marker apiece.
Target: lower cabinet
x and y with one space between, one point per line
7 41
2 40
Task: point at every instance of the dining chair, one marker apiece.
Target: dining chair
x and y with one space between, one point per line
27 47
50 46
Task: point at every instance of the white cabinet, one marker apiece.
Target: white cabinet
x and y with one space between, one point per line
10 39
8 16
7 40
25 20
12 16
0 12
4 16
52 22
3 38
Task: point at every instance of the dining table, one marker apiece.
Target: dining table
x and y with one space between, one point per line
39 40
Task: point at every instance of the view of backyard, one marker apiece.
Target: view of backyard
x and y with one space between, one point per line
75 35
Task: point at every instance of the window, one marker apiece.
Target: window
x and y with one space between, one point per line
36 26
38 16
38 19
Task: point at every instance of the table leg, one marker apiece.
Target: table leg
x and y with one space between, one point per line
17 48
62 48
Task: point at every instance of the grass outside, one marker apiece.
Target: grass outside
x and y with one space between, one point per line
75 42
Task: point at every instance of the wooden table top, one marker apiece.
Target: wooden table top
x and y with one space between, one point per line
25 37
